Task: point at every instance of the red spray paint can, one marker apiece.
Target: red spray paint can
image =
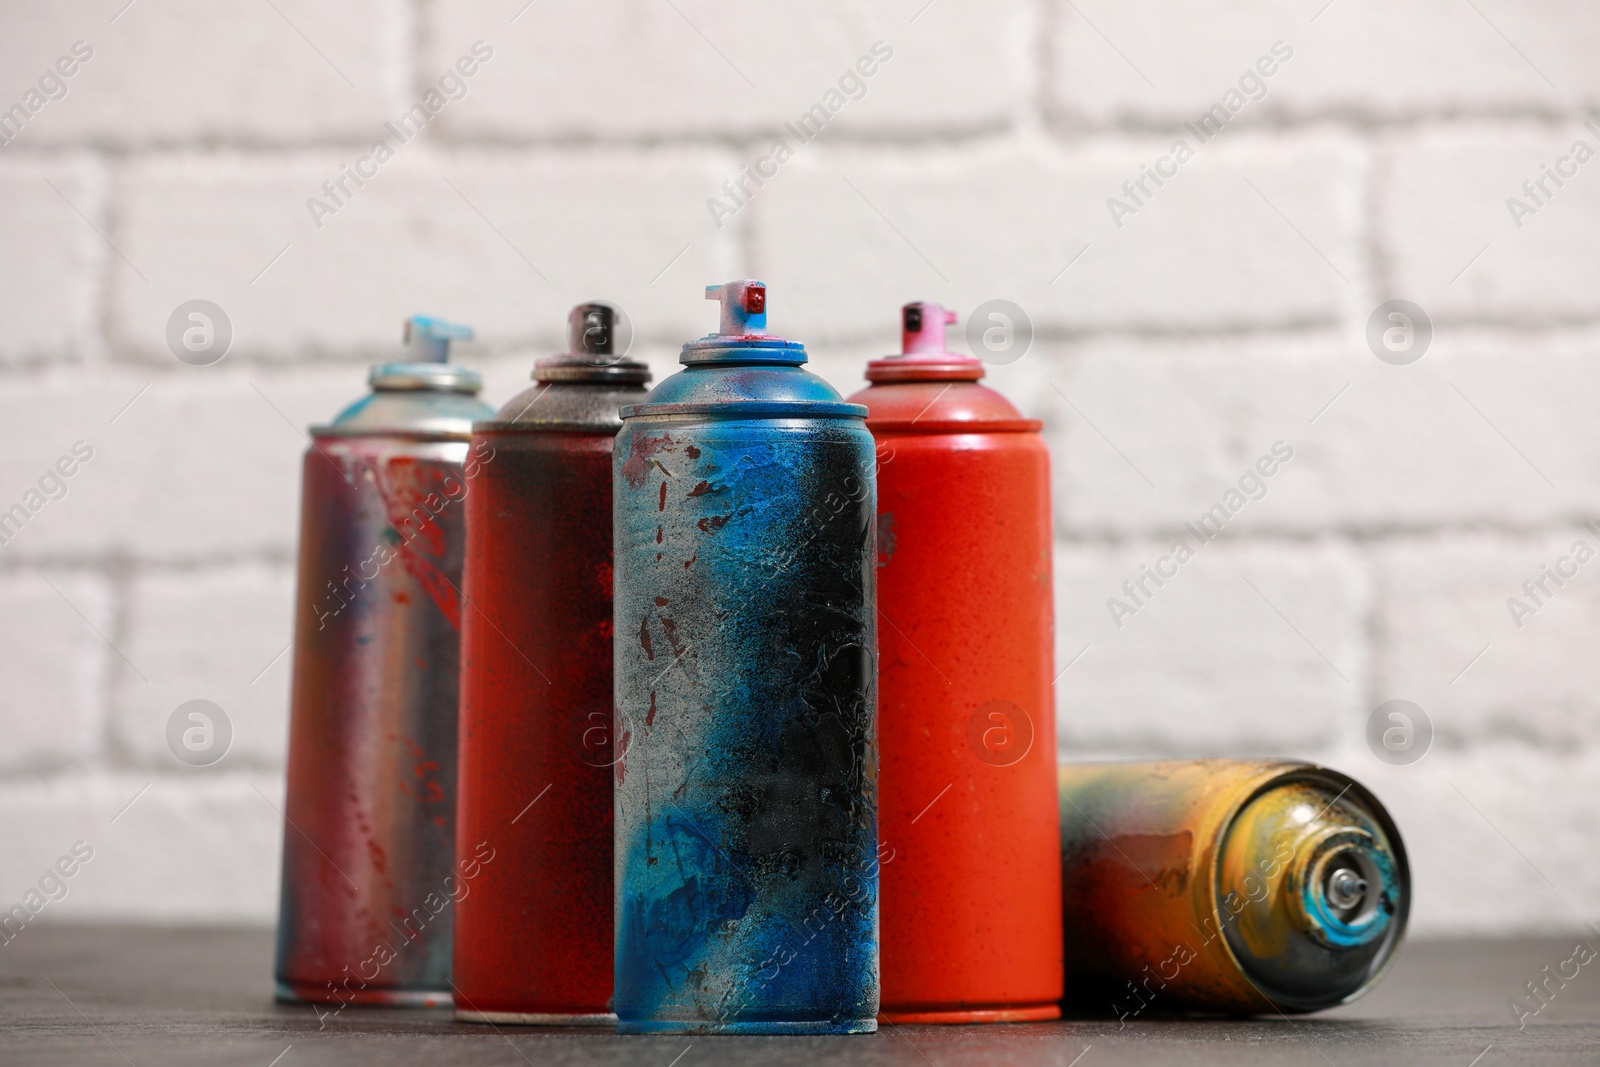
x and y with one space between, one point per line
369 864
967 811
533 939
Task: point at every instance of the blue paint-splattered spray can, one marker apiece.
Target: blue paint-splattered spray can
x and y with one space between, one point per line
746 789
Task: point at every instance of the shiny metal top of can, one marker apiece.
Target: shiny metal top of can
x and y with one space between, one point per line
1340 910
581 390
424 398
742 371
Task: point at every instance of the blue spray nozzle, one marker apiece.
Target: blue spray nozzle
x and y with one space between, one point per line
744 307
428 339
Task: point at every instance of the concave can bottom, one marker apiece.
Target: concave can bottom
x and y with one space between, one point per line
1020 1013
536 1018
300 993
808 1026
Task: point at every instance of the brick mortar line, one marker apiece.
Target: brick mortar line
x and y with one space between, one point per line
1358 539
1068 123
110 566
110 747
91 771
1355 537
38 369
1332 328
1056 132
1146 744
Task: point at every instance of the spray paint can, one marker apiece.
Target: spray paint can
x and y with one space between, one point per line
1242 886
746 791
533 940
369 866
966 724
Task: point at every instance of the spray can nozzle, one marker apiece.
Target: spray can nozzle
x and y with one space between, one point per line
744 307
427 339
598 338
742 335
591 330
923 327
923 355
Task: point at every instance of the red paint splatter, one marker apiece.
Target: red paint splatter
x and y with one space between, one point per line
700 490
650 719
644 639
713 523
694 453
663 506
691 561
672 635
642 448
661 601
622 764
408 490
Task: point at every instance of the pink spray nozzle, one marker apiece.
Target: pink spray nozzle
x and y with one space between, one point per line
922 327
923 356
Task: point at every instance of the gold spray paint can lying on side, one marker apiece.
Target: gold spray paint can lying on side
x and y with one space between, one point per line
1251 886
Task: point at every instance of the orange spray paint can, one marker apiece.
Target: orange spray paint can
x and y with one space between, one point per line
1219 885
970 876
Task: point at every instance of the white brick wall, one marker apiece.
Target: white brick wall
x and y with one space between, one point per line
1447 205
715 70
211 633
1209 649
974 223
49 295
1228 312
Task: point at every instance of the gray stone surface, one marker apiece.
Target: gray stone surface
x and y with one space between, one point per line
142 996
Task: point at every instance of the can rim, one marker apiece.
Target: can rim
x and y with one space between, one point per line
399 433
407 376
954 426
816 409
587 429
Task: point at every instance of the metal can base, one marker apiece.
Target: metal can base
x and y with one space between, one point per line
1022 1013
816 1026
297 993
536 1018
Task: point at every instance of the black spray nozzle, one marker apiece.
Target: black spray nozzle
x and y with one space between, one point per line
592 330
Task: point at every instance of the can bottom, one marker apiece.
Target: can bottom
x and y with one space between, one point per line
814 1026
536 1018
1020 1013
301 993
